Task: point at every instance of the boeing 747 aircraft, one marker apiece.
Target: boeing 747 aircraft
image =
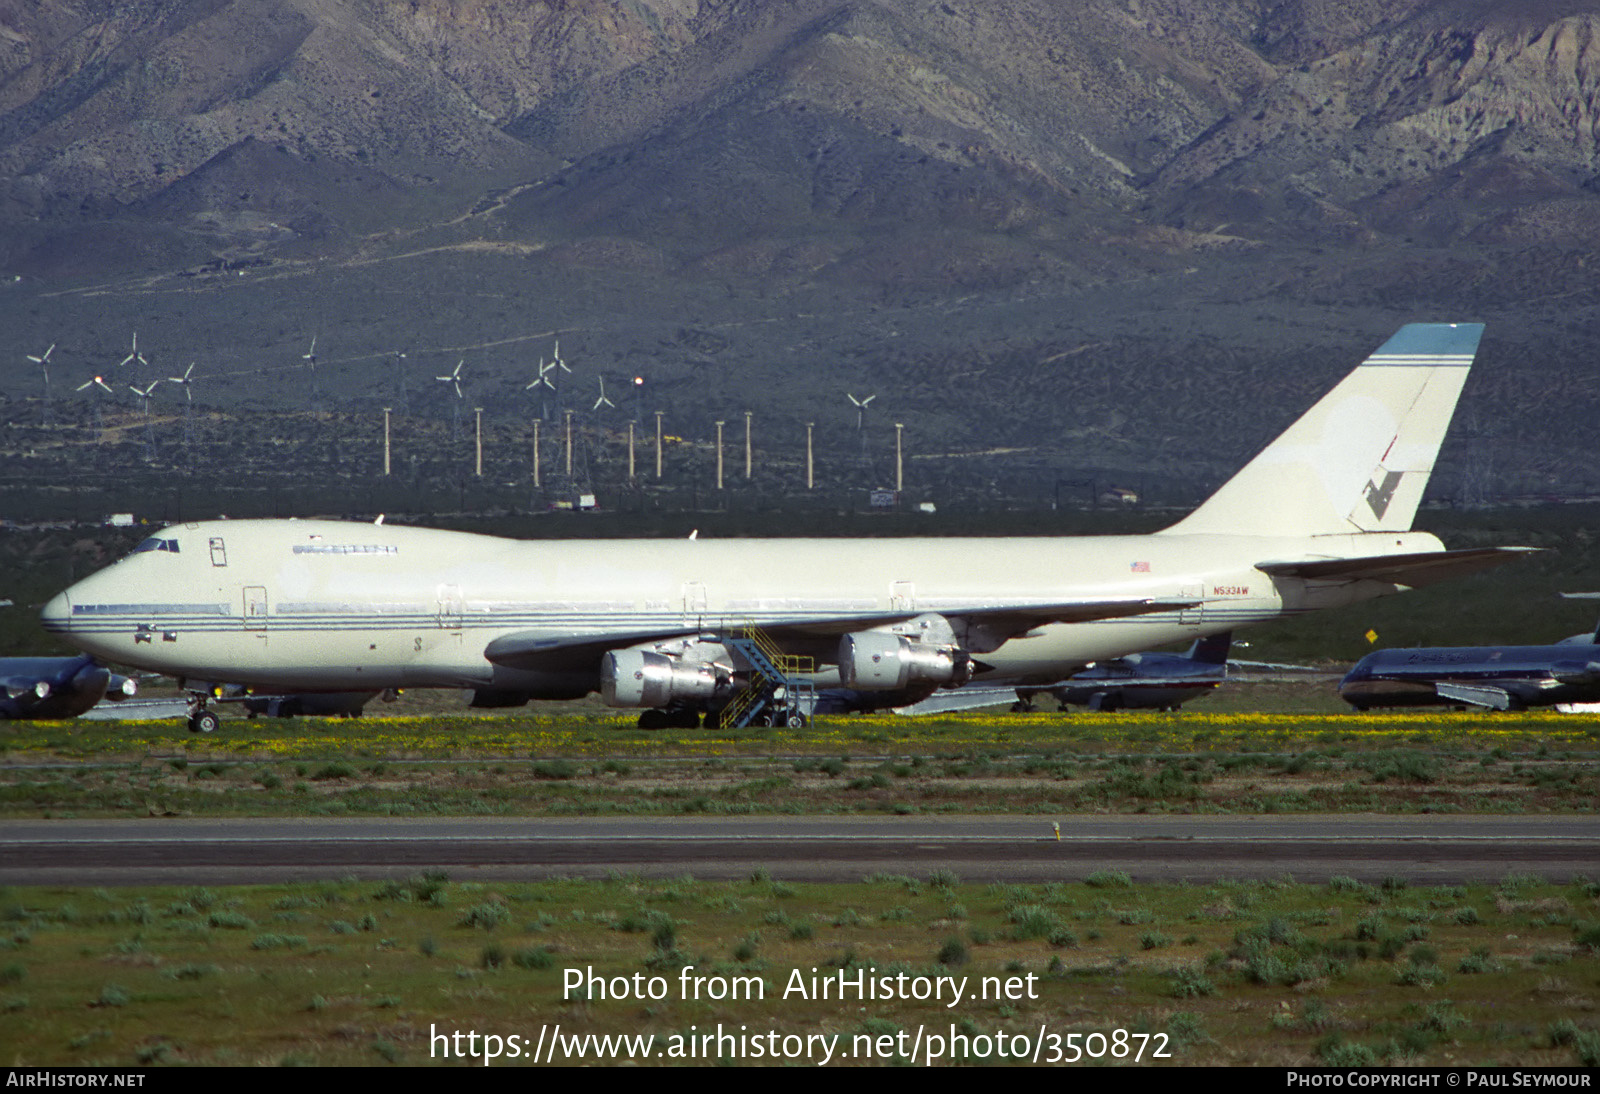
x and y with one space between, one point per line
1319 519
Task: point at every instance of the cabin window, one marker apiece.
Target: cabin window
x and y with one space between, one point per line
219 552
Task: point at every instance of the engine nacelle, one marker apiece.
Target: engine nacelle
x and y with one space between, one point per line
879 661
637 678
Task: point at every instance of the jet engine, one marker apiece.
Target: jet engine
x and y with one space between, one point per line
639 678
881 661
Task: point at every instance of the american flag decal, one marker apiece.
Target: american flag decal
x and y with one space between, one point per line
1139 567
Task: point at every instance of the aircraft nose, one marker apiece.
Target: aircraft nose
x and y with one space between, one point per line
57 615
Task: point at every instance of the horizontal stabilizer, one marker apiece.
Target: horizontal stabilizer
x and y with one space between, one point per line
1478 696
1413 570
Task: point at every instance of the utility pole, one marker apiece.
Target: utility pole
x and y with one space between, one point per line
748 458
658 446
386 441
630 450
536 482
810 479
719 455
899 465
477 414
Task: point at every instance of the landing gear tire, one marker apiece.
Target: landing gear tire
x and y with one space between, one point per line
204 721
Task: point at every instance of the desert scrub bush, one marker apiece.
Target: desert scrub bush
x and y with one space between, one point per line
486 916
1189 982
112 995
534 957
1337 1052
233 921
1031 921
1108 879
1186 1029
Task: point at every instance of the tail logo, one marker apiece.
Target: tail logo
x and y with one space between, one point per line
1380 494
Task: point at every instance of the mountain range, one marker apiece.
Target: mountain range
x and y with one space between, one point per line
1135 234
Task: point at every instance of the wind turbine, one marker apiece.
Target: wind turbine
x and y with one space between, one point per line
96 382
144 395
861 407
186 381
558 365
603 401
43 361
454 377
543 380
134 354
454 380
310 358
861 417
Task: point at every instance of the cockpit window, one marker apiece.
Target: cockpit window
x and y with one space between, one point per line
155 543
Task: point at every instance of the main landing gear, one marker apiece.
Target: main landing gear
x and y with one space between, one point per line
201 718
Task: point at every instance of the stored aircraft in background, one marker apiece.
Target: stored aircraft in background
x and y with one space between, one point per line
1139 681
1492 677
1146 681
341 704
57 687
1319 519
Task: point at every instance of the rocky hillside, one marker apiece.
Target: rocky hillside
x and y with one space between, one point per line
1233 119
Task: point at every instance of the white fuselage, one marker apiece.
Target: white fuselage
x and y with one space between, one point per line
323 605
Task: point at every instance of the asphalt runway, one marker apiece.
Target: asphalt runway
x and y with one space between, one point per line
1423 849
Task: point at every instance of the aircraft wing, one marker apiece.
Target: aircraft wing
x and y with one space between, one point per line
548 649
1415 570
970 697
1478 695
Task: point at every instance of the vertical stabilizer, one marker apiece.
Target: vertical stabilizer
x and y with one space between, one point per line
1212 649
1359 460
